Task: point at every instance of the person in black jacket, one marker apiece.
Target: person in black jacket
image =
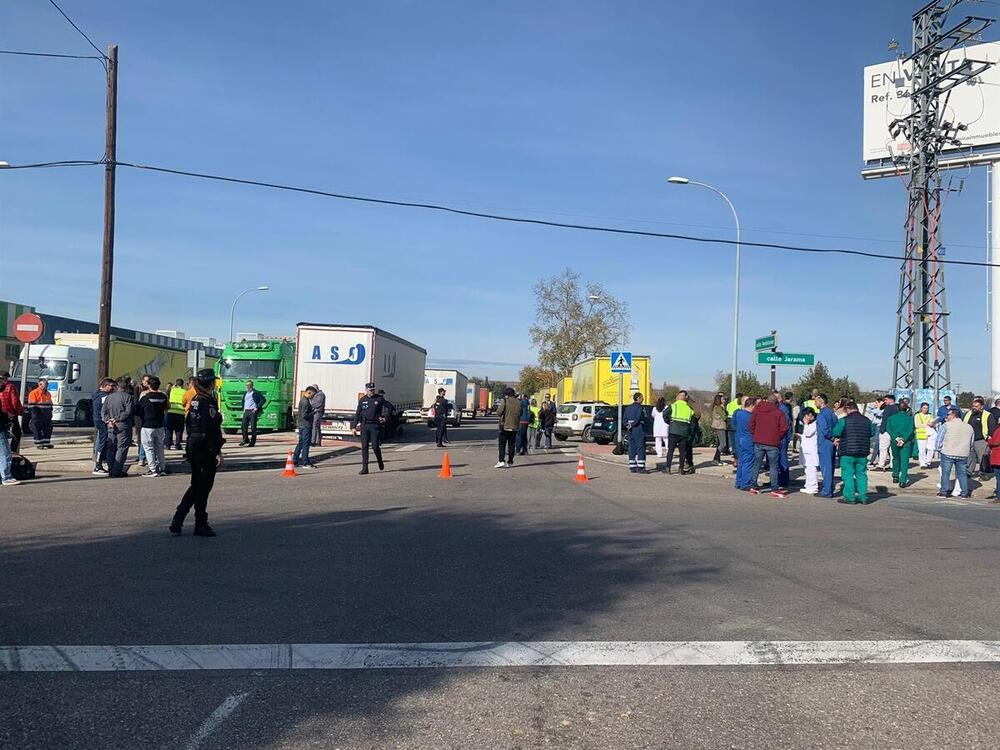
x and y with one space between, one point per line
369 421
151 415
548 420
304 420
203 452
441 408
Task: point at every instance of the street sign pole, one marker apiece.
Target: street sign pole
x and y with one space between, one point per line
24 372
621 396
774 369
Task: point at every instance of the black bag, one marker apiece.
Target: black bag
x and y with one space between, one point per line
21 468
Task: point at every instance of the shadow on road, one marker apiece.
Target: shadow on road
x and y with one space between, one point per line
362 575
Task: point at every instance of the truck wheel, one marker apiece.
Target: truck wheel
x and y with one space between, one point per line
81 414
586 434
560 438
602 441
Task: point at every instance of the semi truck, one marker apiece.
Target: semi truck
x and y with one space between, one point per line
455 386
270 364
471 401
341 359
70 364
594 381
564 390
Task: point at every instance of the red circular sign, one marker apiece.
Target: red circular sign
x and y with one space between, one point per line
28 327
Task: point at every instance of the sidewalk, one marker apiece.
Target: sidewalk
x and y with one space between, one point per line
920 481
75 456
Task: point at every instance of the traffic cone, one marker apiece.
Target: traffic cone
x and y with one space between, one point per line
581 472
445 472
289 467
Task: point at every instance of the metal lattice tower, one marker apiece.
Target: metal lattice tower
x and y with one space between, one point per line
921 358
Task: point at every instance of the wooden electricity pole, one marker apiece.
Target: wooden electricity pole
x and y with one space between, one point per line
108 258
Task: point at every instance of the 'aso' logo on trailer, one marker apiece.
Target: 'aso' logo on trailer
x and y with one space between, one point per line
355 355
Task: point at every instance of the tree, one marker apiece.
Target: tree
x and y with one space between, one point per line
532 379
747 383
571 325
965 399
668 391
819 377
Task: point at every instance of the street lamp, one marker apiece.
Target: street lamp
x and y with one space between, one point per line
232 312
736 300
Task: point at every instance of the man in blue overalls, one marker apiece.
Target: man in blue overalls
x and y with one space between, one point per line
783 468
825 423
744 444
632 421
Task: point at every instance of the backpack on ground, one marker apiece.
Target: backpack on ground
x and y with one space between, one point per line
21 468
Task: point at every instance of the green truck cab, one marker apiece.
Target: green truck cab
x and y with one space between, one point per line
270 364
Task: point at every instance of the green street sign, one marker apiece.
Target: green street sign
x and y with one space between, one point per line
786 358
765 343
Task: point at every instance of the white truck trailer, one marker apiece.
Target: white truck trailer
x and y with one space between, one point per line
455 386
341 359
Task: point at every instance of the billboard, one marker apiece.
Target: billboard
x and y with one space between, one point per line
976 104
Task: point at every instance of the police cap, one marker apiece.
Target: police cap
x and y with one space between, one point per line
370 385
205 378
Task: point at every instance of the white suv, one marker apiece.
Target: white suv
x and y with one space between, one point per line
574 419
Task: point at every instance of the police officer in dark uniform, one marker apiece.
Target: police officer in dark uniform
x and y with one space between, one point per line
368 420
387 409
441 408
203 451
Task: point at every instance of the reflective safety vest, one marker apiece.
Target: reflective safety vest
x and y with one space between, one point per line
681 411
810 404
984 417
922 421
177 400
732 407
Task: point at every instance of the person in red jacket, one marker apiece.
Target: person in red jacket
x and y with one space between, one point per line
10 404
768 425
994 446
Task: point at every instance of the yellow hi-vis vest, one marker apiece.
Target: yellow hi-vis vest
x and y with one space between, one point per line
177 400
732 407
921 421
680 411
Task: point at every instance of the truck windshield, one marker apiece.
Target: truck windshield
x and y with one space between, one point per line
53 369
249 368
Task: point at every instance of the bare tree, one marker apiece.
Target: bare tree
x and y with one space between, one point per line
572 324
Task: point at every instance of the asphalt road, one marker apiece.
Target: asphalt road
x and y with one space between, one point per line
493 555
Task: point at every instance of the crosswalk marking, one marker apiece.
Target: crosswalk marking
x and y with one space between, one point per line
286 656
414 447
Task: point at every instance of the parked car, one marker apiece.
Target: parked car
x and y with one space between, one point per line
604 429
575 419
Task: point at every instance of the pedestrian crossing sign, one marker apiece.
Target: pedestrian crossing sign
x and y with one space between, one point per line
621 361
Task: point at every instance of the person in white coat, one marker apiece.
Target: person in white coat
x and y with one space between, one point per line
809 451
660 427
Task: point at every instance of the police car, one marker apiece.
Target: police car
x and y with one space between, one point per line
604 429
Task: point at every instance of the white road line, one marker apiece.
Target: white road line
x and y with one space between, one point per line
214 721
414 447
287 656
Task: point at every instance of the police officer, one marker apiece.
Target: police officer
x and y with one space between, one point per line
203 452
387 411
441 408
368 420
632 420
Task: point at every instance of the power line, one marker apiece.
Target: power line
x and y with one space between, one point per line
525 220
79 30
50 54
495 217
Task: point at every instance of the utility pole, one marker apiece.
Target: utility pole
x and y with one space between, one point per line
108 256
921 358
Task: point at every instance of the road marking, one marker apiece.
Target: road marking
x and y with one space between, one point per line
285 656
413 447
214 721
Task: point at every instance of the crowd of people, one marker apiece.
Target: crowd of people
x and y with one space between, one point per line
880 436
523 425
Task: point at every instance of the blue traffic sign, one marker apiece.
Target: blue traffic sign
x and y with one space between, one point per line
621 361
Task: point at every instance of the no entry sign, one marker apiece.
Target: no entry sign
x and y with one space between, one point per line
28 328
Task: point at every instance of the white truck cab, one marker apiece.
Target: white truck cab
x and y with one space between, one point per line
71 372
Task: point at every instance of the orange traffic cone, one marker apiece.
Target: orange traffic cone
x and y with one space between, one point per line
445 472
581 472
289 467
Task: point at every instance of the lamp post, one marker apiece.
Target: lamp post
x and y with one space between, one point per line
232 312
736 297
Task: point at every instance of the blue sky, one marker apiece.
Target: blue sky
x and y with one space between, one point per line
574 110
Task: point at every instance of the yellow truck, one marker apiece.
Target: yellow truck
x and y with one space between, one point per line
564 390
593 380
